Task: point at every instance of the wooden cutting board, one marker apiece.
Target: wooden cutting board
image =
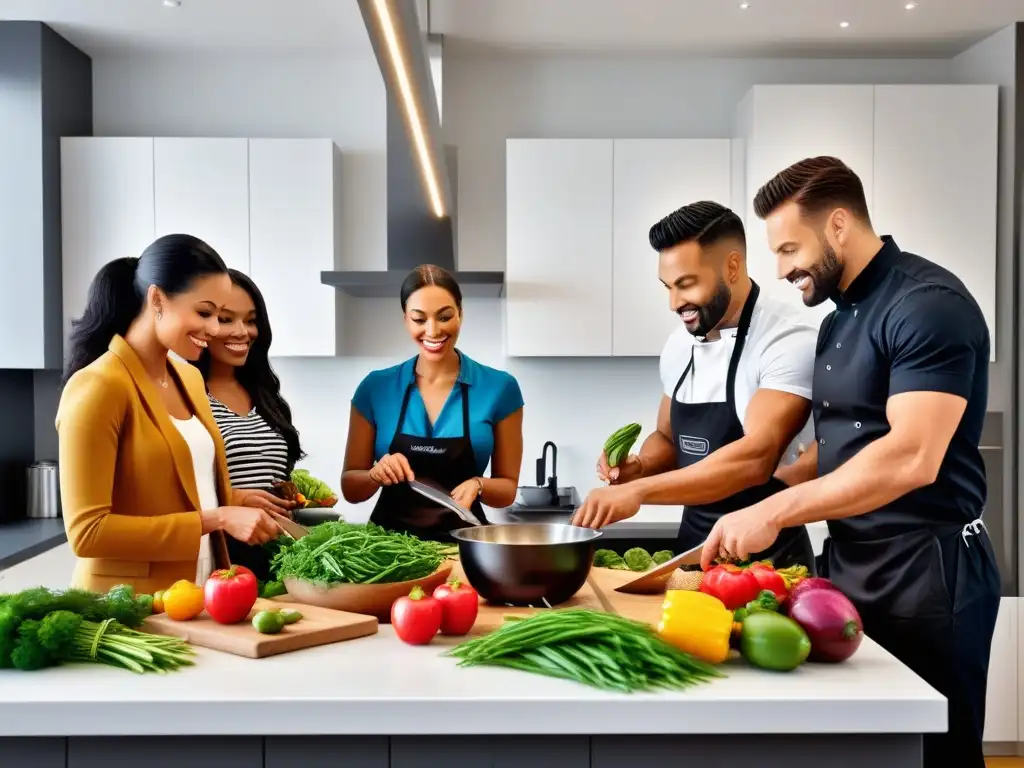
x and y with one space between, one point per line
491 617
645 608
318 626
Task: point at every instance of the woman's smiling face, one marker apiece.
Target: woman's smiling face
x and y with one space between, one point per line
433 320
237 329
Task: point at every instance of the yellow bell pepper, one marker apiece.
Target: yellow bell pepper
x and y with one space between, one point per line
696 623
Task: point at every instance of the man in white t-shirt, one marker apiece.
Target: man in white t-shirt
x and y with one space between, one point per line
737 380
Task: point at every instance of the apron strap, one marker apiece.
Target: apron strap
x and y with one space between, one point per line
741 340
686 370
465 409
405 406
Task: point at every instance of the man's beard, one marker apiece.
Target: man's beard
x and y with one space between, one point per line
710 313
825 277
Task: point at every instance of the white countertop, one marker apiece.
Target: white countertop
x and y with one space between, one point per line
380 686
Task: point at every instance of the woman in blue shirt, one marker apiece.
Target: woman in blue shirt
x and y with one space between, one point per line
439 416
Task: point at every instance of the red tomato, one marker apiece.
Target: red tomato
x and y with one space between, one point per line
769 579
230 594
733 586
459 606
416 618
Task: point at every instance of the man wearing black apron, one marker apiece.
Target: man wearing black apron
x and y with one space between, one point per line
900 393
447 461
703 454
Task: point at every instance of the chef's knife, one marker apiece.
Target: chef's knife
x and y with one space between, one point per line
655 579
438 496
289 526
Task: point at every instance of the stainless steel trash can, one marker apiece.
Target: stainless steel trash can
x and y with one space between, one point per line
43 490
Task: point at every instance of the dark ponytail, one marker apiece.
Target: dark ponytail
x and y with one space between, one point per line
117 293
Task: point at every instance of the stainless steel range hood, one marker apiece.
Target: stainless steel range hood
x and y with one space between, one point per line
416 234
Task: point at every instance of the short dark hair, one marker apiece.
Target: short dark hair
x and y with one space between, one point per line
430 274
705 222
814 184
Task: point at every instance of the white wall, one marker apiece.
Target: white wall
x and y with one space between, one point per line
488 97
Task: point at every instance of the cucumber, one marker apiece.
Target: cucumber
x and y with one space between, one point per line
618 445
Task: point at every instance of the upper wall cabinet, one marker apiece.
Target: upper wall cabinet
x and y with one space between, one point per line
653 178
107 210
202 189
581 277
559 247
936 166
121 193
782 124
926 154
293 220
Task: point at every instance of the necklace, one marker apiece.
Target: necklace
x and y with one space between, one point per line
163 382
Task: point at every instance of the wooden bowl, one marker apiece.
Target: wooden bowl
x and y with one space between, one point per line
368 599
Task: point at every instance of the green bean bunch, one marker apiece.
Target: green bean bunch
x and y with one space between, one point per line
348 553
599 649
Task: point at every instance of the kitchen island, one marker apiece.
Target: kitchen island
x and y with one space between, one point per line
376 702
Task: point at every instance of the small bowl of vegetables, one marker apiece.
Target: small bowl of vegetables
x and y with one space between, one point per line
359 568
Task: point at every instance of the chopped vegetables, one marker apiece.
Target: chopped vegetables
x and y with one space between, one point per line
599 649
634 559
358 554
766 601
41 628
696 623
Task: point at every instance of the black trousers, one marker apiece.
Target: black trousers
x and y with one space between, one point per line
952 655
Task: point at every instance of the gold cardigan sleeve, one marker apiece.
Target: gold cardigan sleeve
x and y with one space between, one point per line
92 410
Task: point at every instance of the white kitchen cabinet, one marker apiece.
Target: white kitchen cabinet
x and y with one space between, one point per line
558 247
935 179
293 212
1001 704
782 124
202 189
652 178
107 210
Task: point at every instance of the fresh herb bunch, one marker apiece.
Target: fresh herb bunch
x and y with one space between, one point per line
599 649
336 552
41 627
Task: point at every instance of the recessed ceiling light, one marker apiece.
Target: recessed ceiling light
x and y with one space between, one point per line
844 24
172 3
910 6
744 6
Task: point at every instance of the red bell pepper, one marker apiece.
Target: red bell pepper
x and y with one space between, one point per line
733 586
770 579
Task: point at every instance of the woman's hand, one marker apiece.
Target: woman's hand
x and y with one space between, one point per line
392 469
254 497
249 524
466 493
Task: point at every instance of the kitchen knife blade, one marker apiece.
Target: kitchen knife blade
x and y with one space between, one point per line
439 496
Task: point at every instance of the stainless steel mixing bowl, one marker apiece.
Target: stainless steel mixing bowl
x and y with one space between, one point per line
526 564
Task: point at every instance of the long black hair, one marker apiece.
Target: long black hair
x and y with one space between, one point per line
116 296
257 376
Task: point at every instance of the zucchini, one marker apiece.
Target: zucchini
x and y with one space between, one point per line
618 445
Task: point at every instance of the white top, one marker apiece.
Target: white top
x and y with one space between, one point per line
778 354
379 685
204 457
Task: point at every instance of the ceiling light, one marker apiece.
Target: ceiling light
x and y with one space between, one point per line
910 6
411 108
844 24
172 3
744 6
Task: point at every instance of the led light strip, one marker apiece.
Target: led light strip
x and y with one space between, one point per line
415 124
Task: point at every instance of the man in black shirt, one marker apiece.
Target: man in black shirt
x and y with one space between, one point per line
900 392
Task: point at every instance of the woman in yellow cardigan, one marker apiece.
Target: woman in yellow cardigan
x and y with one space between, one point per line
144 482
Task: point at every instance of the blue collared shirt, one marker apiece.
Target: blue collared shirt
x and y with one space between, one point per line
493 396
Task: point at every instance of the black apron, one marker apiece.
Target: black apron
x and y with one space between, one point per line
448 461
700 429
929 596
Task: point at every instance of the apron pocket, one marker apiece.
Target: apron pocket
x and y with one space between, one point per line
902 576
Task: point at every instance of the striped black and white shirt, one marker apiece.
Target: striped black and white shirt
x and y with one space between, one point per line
257 455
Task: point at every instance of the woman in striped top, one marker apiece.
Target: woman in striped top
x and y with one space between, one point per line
254 420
